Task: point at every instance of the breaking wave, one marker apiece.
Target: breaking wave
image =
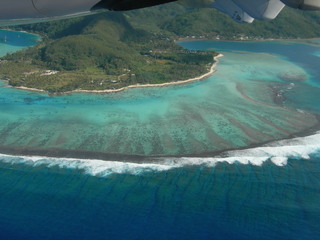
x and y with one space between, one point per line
277 152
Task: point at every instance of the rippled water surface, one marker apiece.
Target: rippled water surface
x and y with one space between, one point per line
266 192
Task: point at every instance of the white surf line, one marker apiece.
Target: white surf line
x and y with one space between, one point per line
278 152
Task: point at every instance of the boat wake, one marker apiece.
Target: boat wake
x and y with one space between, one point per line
277 152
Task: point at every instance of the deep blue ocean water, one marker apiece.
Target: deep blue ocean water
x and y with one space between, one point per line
261 193
224 202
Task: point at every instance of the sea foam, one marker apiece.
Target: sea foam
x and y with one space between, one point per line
277 152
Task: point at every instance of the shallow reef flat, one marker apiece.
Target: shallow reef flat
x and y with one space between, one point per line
243 104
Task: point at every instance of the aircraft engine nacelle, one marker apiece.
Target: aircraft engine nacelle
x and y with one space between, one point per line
53 8
311 5
26 11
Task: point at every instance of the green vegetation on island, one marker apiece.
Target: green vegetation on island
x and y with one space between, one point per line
103 52
113 50
211 24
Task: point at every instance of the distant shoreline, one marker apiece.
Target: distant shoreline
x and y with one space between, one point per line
23 31
190 39
182 82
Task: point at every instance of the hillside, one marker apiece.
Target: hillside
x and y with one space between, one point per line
177 21
211 23
102 52
112 50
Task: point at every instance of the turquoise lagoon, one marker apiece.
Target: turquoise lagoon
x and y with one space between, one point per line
262 92
11 41
246 102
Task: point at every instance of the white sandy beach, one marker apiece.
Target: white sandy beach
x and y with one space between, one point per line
190 80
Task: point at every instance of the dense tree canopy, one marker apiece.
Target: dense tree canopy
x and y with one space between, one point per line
112 50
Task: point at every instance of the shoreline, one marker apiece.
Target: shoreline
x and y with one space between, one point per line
73 154
23 31
182 82
96 155
186 39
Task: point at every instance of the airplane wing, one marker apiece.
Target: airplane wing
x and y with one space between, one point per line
13 12
124 5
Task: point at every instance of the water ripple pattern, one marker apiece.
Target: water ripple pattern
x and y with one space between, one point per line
251 99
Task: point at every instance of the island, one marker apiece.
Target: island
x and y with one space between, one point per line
112 51
107 53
